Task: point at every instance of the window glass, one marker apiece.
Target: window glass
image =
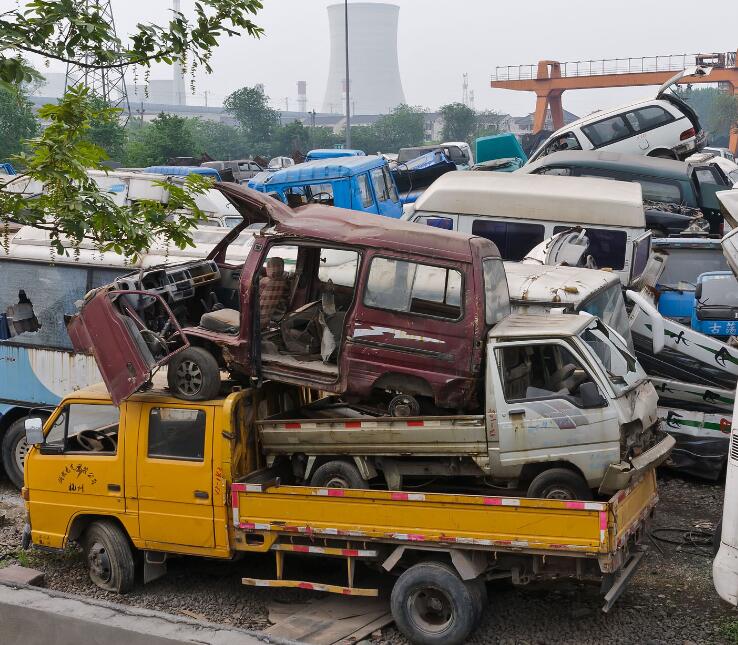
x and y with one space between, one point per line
446 223
176 433
232 222
647 118
609 305
706 176
319 194
607 247
545 371
295 196
566 141
364 191
496 296
391 189
660 191
98 422
513 239
684 265
607 131
562 172
380 189
621 367
414 288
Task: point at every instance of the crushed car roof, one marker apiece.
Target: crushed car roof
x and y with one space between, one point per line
540 325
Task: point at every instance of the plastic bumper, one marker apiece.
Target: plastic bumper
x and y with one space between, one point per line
725 573
619 476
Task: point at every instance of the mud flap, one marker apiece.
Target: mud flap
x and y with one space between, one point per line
623 578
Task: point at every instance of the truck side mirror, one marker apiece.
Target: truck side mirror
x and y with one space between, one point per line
590 395
698 292
34 431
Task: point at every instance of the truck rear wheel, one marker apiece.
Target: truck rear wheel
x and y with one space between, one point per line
559 483
109 557
15 449
431 605
338 474
194 375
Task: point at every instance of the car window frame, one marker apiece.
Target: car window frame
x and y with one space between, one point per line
628 128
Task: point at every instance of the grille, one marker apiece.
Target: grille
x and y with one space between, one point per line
734 448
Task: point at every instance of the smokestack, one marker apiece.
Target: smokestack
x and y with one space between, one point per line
178 83
302 96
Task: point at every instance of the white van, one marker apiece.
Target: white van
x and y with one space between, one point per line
518 212
664 126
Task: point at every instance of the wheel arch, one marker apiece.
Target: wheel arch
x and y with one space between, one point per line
80 522
531 471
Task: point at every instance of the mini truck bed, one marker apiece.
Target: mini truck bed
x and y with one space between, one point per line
601 530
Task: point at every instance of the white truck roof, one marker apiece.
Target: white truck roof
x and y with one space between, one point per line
540 325
538 283
576 200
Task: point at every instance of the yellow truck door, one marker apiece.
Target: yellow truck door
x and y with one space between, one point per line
175 476
78 467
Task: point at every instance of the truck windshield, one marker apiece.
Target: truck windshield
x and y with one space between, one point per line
609 306
621 367
497 297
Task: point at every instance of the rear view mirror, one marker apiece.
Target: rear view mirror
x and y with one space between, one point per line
698 292
34 431
590 395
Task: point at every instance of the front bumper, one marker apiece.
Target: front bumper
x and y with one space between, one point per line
619 476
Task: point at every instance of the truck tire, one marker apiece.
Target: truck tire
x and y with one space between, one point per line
194 375
338 474
15 449
109 557
559 483
431 605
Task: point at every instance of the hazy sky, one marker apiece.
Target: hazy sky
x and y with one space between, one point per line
439 40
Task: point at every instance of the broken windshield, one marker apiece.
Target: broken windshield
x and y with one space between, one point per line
621 367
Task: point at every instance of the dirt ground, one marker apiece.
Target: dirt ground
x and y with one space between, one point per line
670 600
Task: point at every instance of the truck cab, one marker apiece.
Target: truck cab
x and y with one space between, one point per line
360 183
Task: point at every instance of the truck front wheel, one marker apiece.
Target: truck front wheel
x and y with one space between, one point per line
194 375
109 557
559 483
431 605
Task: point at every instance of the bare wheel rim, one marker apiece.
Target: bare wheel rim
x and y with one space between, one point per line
99 561
189 377
21 451
336 481
559 492
430 609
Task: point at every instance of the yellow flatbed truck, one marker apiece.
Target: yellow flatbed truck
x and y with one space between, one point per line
162 477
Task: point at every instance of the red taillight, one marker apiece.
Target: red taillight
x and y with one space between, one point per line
687 134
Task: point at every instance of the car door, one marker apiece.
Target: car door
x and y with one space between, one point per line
108 327
175 475
539 414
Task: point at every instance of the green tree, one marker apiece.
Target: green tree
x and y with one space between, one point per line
487 123
69 203
17 121
167 136
250 107
459 122
109 134
219 140
722 116
291 138
401 128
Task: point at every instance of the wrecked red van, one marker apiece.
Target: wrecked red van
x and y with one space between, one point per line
375 309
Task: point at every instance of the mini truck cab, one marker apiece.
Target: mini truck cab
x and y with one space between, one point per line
567 409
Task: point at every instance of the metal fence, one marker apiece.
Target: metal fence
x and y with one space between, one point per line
667 63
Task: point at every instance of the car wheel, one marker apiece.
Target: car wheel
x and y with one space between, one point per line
109 557
194 375
15 449
338 474
431 605
559 483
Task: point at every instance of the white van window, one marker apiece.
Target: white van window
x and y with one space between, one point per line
446 223
606 246
414 288
566 141
512 239
648 118
607 131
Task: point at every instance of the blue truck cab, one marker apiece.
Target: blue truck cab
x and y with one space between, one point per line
715 310
333 153
361 183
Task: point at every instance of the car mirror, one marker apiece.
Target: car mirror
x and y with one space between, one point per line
698 292
590 395
34 431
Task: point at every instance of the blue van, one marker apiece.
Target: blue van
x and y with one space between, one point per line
333 153
359 183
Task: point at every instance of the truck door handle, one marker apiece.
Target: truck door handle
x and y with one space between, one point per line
201 494
114 488
517 411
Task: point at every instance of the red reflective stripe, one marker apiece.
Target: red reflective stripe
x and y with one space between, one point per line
293 426
399 497
336 492
415 423
353 552
301 549
234 499
492 501
578 505
305 585
352 424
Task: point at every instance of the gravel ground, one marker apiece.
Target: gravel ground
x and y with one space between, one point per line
671 599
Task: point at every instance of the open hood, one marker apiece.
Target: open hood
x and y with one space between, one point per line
567 248
693 70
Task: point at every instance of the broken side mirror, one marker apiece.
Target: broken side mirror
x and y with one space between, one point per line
590 395
34 431
698 292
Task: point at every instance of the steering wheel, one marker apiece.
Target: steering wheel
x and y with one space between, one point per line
94 440
314 198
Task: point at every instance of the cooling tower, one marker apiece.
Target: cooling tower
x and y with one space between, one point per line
374 70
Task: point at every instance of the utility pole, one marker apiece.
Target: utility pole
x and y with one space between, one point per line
348 82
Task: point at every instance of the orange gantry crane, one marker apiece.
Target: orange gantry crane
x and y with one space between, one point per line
549 79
